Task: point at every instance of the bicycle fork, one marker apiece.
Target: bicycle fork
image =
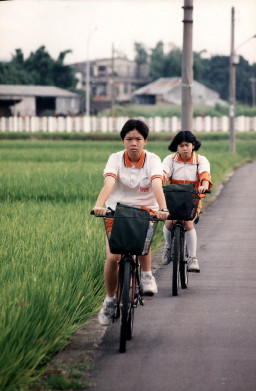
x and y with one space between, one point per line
136 289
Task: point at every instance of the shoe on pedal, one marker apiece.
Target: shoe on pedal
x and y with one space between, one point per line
166 257
148 284
193 265
107 312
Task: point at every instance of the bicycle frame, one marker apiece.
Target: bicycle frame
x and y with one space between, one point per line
128 295
129 291
137 295
178 251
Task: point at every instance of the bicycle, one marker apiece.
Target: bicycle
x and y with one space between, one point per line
129 291
182 203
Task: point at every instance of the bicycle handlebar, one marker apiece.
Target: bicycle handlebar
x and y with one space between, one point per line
111 213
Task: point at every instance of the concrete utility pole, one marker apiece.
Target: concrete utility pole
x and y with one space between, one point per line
113 81
187 68
232 86
87 104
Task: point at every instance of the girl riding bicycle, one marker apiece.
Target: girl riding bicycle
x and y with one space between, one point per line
132 177
185 166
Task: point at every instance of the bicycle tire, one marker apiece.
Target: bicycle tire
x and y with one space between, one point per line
131 313
125 307
183 264
176 261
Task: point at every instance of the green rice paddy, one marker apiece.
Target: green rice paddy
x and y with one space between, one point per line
52 250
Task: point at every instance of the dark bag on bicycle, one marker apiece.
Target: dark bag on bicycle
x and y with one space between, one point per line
129 230
182 201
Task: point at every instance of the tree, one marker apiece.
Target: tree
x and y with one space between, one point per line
212 72
165 65
200 66
38 69
244 72
172 63
141 56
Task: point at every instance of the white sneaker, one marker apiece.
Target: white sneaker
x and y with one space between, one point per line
166 256
107 312
148 284
193 265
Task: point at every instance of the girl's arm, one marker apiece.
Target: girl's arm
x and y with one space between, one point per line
109 183
204 186
159 194
205 181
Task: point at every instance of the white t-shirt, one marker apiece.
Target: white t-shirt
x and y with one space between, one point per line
198 167
133 184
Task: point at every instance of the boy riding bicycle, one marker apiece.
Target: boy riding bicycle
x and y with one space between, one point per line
132 177
185 166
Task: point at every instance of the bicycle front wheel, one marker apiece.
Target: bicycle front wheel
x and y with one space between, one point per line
176 261
183 264
126 307
131 313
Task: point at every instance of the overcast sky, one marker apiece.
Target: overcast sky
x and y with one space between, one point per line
96 24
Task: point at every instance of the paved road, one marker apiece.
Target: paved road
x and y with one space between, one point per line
204 339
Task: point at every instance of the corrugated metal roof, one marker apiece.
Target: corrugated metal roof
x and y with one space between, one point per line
47 91
159 87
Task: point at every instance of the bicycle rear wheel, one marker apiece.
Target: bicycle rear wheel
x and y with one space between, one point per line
126 307
176 261
183 264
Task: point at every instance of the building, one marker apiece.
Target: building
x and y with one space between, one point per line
37 101
168 90
112 80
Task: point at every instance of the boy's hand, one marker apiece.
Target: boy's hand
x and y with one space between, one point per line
162 215
99 211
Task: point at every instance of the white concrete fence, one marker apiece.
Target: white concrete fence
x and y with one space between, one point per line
105 124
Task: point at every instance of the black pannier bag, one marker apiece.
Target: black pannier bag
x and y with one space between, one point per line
129 230
182 201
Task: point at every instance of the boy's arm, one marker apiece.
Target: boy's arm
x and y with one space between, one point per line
109 183
159 194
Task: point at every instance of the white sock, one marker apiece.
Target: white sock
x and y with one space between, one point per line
191 240
108 298
146 273
167 236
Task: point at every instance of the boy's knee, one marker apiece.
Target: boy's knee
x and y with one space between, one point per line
168 224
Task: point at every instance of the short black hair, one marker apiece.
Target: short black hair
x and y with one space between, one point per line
184 135
137 124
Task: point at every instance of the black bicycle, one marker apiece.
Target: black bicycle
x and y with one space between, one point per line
182 202
131 235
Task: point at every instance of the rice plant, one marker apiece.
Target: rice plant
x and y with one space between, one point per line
52 251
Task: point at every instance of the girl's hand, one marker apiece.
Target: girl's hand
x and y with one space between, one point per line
201 189
99 211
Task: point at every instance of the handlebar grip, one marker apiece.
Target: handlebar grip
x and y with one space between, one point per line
207 191
109 213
